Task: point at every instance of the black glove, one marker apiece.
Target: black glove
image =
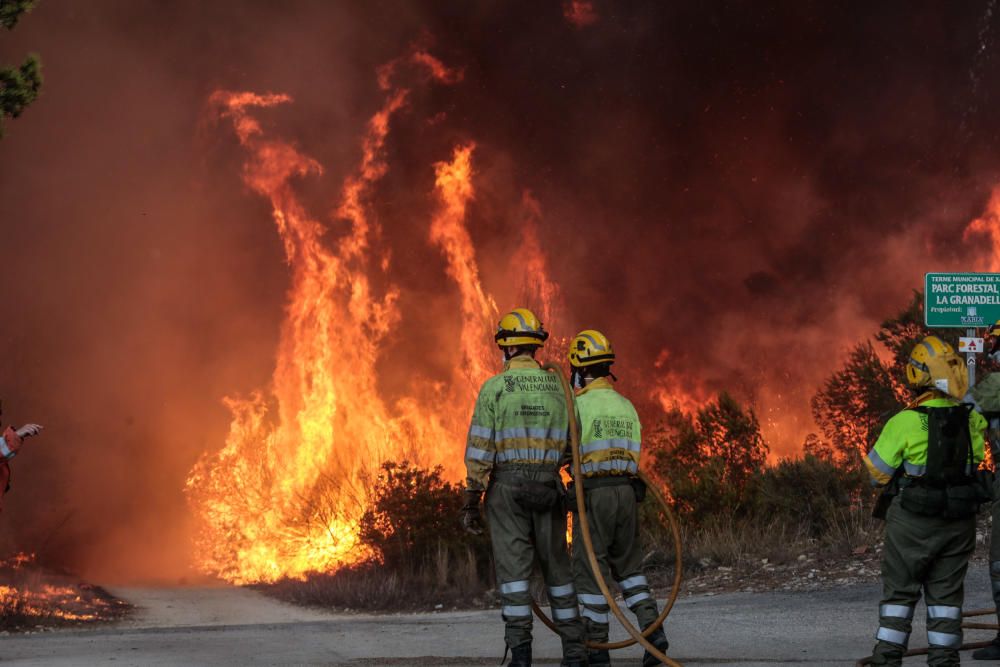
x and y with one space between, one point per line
470 517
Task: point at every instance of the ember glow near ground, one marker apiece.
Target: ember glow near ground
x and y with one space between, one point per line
227 626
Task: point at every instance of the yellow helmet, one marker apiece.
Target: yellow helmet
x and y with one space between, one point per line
590 347
520 327
934 364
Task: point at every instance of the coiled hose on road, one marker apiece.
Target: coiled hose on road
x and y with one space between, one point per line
637 636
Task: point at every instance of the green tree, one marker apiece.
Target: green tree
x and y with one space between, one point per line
707 459
19 86
412 515
853 405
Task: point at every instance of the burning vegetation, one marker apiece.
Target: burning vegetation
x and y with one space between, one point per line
32 597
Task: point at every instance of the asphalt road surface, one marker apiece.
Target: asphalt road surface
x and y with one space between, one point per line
230 626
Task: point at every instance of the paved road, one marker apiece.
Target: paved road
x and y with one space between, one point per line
225 626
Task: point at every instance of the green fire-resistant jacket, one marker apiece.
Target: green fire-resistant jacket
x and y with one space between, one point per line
520 418
903 441
610 432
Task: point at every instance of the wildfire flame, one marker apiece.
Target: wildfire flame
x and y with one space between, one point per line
285 494
30 597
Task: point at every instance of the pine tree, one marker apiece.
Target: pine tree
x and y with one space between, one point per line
19 86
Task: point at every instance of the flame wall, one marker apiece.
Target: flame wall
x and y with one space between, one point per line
734 193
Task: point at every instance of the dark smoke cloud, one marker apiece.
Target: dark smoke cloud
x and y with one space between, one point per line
749 188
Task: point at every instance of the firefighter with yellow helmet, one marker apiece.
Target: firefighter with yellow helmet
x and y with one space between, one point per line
517 439
927 455
610 440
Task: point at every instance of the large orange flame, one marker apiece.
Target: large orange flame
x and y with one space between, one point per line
285 495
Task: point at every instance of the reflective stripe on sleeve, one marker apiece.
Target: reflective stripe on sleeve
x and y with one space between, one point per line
913 469
5 450
559 591
564 613
943 611
514 587
892 636
632 582
634 599
588 598
595 616
529 432
944 639
608 466
481 432
896 611
476 454
614 443
516 610
879 463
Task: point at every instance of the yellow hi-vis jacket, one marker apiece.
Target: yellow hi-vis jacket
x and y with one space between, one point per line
520 418
610 432
903 441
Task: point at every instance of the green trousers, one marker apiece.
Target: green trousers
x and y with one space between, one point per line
929 555
995 543
612 515
519 537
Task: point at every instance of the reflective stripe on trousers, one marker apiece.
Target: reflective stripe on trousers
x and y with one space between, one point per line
632 582
594 600
514 587
896 610
943 611
595 616
944 639
559 591
893 636
515 611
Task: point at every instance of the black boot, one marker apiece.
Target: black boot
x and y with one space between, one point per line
659 640
991 652
520 656
599 658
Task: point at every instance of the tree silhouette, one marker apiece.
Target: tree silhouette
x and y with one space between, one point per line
19 86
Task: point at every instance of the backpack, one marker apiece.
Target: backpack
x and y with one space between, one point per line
947 487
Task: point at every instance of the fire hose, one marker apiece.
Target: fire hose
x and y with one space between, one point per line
637 635
964 647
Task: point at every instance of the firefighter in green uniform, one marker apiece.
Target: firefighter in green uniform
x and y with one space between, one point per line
927 455
986 397
518 436
610 438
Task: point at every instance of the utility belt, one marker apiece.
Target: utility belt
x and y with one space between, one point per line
959 500
533 495
605 481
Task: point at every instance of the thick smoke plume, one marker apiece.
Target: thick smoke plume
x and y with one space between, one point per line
734 193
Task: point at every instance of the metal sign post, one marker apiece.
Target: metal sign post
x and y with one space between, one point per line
970 358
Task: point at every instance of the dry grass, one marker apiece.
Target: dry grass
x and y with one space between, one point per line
447 582
33 598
